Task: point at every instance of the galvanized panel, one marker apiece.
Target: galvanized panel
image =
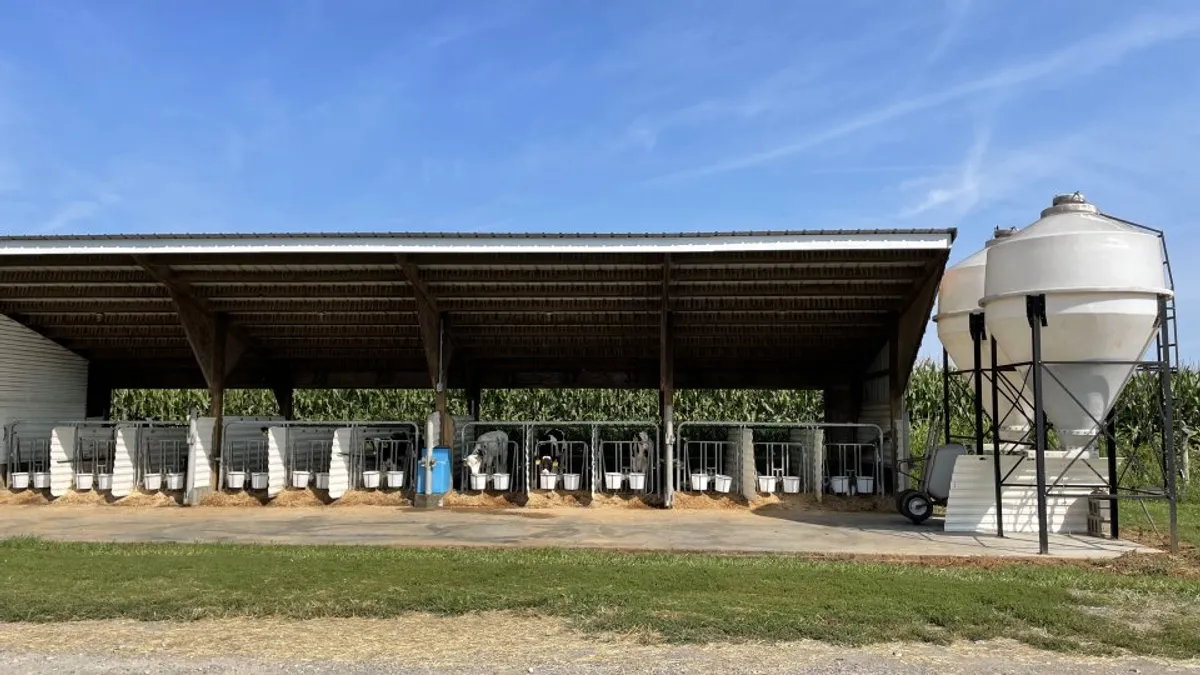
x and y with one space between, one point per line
38 379
972 502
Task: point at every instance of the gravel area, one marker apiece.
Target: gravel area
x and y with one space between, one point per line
487 643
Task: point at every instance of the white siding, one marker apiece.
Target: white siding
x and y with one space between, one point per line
972 503
39 380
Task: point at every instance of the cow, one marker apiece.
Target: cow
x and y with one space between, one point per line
489 454
640 460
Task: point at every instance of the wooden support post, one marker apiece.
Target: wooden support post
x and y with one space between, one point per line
666 386
438 352
99 394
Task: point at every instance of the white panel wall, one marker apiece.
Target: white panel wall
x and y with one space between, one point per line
972 503
39 380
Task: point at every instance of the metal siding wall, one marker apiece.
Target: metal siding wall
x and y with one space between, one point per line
973 498
38 379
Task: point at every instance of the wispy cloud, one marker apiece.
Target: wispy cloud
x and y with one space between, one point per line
1080 58
965 189
77 212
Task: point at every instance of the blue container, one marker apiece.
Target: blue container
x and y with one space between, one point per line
441 471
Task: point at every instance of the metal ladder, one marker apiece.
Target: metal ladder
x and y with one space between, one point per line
1169 351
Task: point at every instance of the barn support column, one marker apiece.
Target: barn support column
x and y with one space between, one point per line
99 394
666 387
285 398
474 400
438 352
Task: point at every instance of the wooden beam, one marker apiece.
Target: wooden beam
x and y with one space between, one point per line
217 345
437 346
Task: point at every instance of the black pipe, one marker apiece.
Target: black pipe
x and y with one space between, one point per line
996 444
1035 311
1168 432
1110 432
946 393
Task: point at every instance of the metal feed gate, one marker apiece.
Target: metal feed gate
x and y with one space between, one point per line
563 456
763 458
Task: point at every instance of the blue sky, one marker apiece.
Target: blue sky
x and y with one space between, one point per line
605 115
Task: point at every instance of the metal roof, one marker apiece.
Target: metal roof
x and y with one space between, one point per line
795 308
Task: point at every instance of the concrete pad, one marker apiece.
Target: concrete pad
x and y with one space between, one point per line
762 531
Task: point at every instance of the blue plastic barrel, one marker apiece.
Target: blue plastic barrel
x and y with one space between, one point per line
441 471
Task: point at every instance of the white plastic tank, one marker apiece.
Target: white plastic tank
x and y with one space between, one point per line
1101 279
959 294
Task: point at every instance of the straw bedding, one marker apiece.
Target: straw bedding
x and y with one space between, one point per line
297 498
483 500
545 499
373 498
237 498
24 497
147 500
76 497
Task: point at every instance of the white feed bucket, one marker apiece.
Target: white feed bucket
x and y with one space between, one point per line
175 481
152 482
839 485
722 483
83 481
767 484
323 480
259 480
791 484
479 481
699 482
104 481
612 480
571 481
637 482
235 480
866 485
19 480
548 481
300 479
395 479
500 481
370 479
41 480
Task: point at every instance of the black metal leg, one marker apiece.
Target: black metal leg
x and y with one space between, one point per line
1035 307
996 445
1168 436
1110 432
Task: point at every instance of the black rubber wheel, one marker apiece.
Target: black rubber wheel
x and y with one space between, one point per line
917 507
901 496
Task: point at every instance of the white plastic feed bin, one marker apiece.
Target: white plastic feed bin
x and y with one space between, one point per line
767 484
322 479
791 485
612 480
722 483
235 480
548 481
1101 280
479 482
500 481
175 481
259 480
152 482
395 479
370 479
864 485
19 480
637 481
83 482
839 485
571 481
699 482
300 479
41 480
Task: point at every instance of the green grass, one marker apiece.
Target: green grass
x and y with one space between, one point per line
681 598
